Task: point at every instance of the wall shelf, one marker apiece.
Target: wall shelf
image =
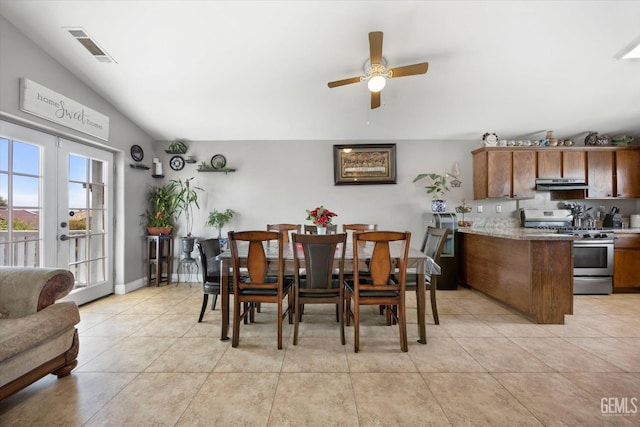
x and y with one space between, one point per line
139 166
217 170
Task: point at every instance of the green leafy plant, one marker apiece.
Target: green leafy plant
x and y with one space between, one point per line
218 219
204 166
178 147
163 206
437 183
185 197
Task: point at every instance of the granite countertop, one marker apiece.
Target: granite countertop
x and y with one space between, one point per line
516 233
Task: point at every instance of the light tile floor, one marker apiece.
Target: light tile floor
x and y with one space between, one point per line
144 360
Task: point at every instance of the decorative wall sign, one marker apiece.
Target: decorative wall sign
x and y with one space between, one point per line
43 102
364 164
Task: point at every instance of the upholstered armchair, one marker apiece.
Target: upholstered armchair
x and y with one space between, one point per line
37 335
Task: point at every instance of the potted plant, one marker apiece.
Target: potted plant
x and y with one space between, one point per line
218 219
321 217
184 199
438 187
159 219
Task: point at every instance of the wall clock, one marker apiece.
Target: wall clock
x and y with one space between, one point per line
136 153
176 163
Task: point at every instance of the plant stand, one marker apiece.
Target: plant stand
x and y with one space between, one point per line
159 255
186 266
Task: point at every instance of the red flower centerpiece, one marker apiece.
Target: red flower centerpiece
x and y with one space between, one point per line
320 216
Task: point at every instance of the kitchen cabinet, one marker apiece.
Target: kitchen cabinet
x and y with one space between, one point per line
550 164
510 172
626 274
562 163
600 174
574 164
628 174
495 174
613 173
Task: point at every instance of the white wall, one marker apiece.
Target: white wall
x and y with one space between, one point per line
278 181
22 58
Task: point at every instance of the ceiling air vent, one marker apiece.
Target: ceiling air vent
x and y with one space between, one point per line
85 40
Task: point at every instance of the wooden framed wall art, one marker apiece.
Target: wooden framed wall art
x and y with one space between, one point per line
364 164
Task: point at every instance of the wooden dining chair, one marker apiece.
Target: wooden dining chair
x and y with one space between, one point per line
432 245
258 286
319 284
379 287
359 227
313 229
208 250
362 266
286 229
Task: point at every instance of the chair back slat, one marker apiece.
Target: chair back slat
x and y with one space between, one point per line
285 229
319 258
381 266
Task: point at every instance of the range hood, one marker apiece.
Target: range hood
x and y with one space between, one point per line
561 184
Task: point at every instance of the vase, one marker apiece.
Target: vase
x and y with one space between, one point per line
187 247
321 230
438 205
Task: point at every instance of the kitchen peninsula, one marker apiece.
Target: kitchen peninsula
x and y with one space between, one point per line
529 270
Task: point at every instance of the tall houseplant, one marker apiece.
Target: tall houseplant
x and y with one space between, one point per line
185 198
437 186
218 219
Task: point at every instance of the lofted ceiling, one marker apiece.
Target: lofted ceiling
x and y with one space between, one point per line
258 70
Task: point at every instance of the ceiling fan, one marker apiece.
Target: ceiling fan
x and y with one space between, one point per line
376 72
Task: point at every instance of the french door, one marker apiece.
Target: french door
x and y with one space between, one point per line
58 197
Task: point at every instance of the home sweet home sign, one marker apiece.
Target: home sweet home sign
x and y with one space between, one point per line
43 102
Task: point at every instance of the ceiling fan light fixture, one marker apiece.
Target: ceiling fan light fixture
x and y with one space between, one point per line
376 83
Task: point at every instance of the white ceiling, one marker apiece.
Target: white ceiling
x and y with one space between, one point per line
258 70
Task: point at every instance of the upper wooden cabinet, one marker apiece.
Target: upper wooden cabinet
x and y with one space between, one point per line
574 164
549 164
495 176
613 174
628 174
600 175
510 172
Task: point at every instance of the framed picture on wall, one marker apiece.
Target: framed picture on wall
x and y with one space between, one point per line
364 164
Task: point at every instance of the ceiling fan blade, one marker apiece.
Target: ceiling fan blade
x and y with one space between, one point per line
344 82
375 100
410 70
375 47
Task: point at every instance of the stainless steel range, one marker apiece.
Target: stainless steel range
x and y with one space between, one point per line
592 249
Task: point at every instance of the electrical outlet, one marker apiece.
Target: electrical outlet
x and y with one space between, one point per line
479 209
498 209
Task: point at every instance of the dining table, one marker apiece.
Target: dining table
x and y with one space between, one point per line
418 260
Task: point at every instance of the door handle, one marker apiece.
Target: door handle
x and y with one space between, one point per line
64 237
